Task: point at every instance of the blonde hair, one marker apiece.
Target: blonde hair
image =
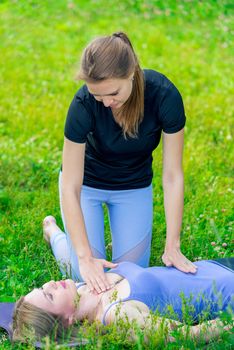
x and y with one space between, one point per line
111 57
31 323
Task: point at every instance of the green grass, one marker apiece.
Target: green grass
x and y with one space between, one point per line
40 43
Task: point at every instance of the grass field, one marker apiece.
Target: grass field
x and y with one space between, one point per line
41 41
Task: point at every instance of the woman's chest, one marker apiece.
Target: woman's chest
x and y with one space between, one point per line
119 294
115 299
109 139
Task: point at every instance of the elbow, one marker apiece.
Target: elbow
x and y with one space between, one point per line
70 191
173 177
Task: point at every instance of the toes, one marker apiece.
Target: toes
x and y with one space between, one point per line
48 220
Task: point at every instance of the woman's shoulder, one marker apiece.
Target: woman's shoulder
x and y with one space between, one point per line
155 78
83 95
129 309
158 86
82 103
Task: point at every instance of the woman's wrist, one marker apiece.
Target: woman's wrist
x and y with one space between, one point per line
85 255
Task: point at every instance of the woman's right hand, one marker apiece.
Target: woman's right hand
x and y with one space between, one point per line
92 272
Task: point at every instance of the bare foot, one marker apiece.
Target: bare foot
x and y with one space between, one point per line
49 227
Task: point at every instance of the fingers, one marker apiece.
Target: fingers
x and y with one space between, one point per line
189 266
90 285
109 264
96 285
95 277
178 260
100 283
101 279
185 266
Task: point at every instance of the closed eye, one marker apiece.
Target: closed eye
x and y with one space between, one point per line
112 94
47 295
50 296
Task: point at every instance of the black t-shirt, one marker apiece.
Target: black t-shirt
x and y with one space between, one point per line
111 161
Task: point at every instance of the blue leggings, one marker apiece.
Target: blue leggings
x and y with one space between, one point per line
130 217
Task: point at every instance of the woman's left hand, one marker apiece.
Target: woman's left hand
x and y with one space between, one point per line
174 257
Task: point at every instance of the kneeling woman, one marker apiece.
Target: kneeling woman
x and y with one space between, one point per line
135 292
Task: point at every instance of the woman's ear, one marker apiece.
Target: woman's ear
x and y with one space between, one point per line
71 320
68 321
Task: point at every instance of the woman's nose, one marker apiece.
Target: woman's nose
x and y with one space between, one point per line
50 284
107 101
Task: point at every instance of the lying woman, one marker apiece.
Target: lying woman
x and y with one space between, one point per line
135 292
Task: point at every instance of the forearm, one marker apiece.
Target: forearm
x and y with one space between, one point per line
136 318
162 326
75 222
173 187
208 330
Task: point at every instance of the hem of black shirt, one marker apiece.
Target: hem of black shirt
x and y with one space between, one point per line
118 187
115 187
175 129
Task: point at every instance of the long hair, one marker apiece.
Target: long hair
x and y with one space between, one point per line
113 57
31 323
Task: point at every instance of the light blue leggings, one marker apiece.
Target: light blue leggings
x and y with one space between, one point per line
130 217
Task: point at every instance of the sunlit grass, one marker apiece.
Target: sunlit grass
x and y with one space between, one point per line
188 41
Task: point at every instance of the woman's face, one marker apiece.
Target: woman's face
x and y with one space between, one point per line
58 298
112 93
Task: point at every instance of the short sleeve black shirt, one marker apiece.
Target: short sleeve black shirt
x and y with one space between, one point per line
111 161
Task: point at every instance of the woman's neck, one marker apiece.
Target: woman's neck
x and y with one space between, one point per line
92 307
89 306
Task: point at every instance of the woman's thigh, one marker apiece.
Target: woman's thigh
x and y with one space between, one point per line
131 216
91 205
